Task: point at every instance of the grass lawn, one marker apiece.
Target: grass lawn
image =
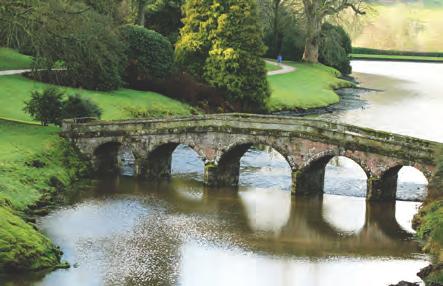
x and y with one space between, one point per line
309 86
396 58
12 60
271 67
119 104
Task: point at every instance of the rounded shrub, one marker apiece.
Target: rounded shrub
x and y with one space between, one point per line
150 55
335 47
75 107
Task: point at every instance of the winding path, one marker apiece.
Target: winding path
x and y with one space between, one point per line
283 68
11 72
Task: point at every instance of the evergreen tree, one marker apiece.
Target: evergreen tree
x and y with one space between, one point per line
221 43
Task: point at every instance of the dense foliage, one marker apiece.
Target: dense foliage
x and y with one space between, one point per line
84 40
335 47
76 107
164 16
221 44
150 55
49 107
45 106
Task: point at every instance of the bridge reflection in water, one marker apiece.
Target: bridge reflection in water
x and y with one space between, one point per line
180 232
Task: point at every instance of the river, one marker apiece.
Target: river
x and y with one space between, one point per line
121 231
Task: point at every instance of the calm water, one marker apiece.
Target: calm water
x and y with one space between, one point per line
126 232
409 102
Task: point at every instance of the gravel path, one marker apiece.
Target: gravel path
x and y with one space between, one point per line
283 68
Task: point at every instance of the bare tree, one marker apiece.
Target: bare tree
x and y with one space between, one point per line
315 11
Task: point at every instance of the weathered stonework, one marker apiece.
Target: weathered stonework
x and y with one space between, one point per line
221 140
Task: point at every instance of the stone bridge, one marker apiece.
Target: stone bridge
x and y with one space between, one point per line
221 140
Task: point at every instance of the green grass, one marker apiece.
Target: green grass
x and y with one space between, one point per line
397 58
119 104
31 157
12 60
272 67
309 86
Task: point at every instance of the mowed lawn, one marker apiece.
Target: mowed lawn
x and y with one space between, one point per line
309 86
16 89
11 59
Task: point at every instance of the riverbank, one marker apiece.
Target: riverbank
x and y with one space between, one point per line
383 57
36 166
309 86
429 225
306 87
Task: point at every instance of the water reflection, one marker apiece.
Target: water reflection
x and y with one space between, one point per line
141 233
130 232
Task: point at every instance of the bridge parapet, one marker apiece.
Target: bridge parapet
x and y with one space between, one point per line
304 143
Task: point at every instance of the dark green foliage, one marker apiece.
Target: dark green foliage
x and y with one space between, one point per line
112 8
45 106
70 32
367 51
164 16
150 55
335 47
221 44
48 106
76 107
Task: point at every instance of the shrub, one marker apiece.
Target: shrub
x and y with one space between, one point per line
45 106
48 106
150 55
75 107
221 44
335 47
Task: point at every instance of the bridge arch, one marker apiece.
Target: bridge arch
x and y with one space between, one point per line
387 185
158 161
310 178
227 163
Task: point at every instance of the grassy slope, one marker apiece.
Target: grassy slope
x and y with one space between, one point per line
398 58
22 183
10 59
14 90
309 86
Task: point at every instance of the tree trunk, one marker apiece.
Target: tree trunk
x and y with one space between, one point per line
310 54
141 13
313 29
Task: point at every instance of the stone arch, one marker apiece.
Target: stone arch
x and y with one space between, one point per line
157 164
105 158
310 178
227 162
388 181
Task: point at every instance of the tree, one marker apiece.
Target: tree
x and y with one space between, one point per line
335 47
164 16
315 12
77 107
69 32
45 106
193 45
150 55
221 44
